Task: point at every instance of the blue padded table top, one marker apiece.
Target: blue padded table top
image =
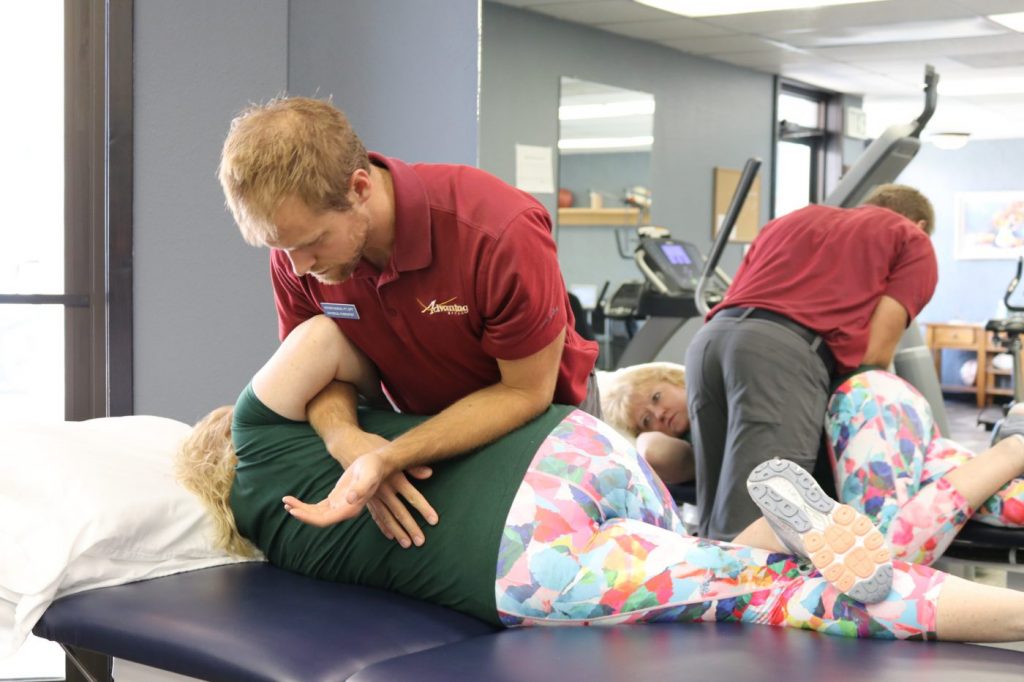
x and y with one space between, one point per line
695 651
255 622
252 622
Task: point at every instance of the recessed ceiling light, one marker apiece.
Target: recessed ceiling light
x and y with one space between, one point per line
712 8
1013 20
950 140
905 32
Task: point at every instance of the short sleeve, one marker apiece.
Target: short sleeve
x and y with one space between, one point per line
521 290
294 305
914 273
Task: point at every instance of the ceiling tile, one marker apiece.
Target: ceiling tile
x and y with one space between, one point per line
720 44
986 7
888 33
527 4
667 30
992 60
601 12
841 16
924 49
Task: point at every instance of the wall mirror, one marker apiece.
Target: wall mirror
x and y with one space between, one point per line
605 138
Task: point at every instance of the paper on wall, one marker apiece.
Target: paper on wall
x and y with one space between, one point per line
534 169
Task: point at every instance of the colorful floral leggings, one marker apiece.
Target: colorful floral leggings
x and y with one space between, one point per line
889 461
593 538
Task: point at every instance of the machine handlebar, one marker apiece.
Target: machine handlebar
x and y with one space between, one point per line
724 231
1013 287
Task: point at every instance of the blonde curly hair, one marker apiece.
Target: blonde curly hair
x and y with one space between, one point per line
205 464
624 389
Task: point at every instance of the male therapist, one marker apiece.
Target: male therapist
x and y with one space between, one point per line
443 278
822 291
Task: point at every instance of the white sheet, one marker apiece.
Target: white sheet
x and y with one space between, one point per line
91 504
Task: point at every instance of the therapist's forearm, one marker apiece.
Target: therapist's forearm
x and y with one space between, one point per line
332 414
478 419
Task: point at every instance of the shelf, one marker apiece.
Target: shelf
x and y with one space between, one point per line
999 391
956 388
962 337
627 216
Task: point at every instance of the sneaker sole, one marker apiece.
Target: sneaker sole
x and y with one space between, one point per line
840 542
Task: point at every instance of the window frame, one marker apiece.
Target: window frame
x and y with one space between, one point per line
825 140
97 70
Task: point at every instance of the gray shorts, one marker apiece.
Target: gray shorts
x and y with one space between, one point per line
592 401
756 391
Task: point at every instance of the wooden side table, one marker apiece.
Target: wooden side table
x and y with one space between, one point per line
969 337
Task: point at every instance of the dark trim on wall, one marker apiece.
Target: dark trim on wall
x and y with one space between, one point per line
84 328
833 144
98 207
120 192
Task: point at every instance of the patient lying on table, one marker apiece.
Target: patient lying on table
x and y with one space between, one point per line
559 522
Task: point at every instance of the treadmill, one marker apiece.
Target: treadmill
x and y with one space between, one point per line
679 287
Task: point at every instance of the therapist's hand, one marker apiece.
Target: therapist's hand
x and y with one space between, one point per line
350 494
386 507
364 484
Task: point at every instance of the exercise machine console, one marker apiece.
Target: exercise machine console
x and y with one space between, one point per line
680 286
1006 332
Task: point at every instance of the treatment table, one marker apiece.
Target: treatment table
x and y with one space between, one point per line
252 622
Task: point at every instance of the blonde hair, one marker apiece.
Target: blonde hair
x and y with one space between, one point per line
206 465
290 146
624 389
906 201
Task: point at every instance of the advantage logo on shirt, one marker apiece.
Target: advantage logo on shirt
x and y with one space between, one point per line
446 307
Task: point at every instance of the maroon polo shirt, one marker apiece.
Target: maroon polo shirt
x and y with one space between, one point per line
473 277
827 268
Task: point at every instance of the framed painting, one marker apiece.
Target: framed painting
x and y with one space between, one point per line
989 225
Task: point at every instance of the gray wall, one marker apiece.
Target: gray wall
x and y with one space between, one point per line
406 73
708 114
609 174
968 290
204 314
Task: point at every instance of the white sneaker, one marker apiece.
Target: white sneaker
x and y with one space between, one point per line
841 542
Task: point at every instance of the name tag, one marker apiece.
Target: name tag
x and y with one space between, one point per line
340 311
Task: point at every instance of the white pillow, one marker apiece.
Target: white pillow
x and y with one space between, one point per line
91 504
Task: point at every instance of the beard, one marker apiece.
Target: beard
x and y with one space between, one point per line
336 274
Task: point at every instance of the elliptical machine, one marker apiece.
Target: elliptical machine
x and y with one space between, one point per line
1006 333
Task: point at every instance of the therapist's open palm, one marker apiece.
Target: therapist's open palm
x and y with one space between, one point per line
351 493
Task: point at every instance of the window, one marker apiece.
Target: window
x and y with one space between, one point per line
807 160
65 269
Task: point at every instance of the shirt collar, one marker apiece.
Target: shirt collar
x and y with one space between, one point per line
411 249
